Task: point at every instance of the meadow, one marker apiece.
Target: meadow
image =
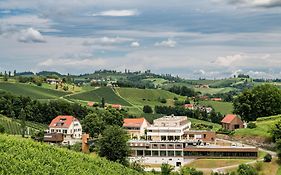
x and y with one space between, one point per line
222 107
96 95
30 90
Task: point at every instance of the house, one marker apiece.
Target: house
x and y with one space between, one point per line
90 104
189 106
216 99
69 126
53 137
136 127
232 122
116 106
53 81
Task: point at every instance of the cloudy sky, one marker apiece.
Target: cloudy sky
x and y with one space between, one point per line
190 38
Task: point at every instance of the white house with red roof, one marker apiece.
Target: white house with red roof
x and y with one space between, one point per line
69 126
136 127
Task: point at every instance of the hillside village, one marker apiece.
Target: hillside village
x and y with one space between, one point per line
162 121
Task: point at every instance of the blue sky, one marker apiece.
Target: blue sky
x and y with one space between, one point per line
206 38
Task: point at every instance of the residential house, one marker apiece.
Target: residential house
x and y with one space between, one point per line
216 99
116 106
232 122
189 106
136 127
69 126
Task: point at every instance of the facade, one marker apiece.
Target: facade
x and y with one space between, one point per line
136 127
232 122
168 128
171 140
69 126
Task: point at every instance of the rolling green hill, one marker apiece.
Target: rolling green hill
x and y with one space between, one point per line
24 157
222 107
32 91
13 126
263 128
141 97
95 95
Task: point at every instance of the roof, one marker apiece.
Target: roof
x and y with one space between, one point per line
216 99
188 105
62 121
90 103
228 118
133 122
116 106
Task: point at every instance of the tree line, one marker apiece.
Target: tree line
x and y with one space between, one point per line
36 111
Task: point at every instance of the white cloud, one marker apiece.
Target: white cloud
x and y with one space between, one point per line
117 13
135 44
69 63
167 43
107 41
257 3
31 36
229 60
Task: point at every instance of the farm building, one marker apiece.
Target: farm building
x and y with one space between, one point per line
135 127
232 122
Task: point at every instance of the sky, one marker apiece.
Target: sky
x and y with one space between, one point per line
207 38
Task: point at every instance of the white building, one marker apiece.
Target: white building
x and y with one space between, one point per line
168 128
69 126
136 127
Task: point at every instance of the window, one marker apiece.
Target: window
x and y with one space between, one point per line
171 153
52 130
147 153
163 153
139 152
178 153
64 131
155 153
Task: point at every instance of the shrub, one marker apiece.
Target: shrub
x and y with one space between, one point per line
163 100
267 158
2 129
244 169
166 169
147 109
251 125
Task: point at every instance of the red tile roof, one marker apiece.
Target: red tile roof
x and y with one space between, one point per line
62 121
117 106
188 105
90 103
133 122
216 99
228 118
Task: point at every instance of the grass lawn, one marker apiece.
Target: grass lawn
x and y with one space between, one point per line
222 107
216 163
196 121
32 91
262 129
156 81
96 95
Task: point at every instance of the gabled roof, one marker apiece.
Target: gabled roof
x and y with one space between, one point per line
188 105
228 118
116 106
62 121
133 122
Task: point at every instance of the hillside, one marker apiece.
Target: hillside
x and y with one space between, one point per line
95 95
23 157
32 91
142 97
222 107
263 128
13 126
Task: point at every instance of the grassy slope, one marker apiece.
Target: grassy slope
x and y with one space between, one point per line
95 95
13 126
141 97
24 156
222 107
262 129
196 121
213 90
32 91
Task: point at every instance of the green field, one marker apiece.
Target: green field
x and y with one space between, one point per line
96 95
13 126
32 91
141 97
263 128
24 156
222 107
213 90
